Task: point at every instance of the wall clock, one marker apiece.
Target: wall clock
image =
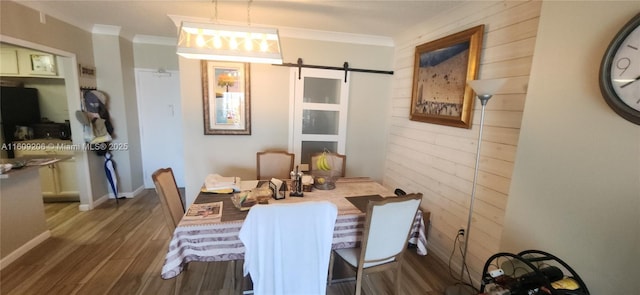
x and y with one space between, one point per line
620 72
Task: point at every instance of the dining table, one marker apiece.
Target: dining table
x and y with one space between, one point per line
208 240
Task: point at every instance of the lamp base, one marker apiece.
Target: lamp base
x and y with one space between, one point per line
459 289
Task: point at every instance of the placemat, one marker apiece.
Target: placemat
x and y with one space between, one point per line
361 202
229 211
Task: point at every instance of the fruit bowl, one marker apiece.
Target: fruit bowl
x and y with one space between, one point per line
323 180
324 176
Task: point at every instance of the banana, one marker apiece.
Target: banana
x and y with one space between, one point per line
325 163
322 162
319 162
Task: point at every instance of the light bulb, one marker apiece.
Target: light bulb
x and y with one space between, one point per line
263 45
248 44
217 42
200 40
233 43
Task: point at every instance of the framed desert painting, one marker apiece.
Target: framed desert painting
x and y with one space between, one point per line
226 98
441 70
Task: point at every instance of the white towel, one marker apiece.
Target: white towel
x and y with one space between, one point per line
217 182
288 246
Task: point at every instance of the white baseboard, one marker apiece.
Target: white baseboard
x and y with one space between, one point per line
131 195
100 200
24 249
128 195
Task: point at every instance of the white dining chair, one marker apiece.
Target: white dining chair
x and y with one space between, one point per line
169 196
387 227
288 247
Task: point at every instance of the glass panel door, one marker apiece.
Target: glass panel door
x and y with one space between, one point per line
319 117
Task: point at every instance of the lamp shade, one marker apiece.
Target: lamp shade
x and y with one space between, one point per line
487 86
229 43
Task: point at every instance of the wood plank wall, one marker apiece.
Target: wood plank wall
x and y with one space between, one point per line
439 160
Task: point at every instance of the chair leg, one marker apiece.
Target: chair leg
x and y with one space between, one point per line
398 271
234 266
331 261
359 281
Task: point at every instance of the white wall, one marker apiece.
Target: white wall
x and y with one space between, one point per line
131 115
155 56
116 79
576 185
236 154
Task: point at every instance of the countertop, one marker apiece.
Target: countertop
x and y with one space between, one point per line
31 163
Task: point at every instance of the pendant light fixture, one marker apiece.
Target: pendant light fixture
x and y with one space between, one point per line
213 41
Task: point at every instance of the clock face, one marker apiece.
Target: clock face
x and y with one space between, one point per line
620 72
625 70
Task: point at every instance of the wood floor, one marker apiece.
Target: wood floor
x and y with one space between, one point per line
120 250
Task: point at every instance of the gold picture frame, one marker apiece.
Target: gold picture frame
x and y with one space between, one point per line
440 93
43 64
226 98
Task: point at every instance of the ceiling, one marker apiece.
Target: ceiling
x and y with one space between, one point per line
149 17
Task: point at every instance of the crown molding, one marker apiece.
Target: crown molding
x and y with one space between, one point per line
155 40
341 37
106 30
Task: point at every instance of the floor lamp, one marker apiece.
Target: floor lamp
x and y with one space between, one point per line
484 89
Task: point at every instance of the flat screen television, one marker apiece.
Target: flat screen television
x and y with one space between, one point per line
19 106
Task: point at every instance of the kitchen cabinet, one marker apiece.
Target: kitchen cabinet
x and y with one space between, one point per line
22 62
58 180
8 61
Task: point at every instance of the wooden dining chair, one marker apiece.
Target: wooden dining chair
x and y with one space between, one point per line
386 232
169 195
274 164
337 162
288 246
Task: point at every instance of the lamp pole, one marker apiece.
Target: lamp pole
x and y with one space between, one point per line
484 96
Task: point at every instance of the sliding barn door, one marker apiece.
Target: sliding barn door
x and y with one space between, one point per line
320 108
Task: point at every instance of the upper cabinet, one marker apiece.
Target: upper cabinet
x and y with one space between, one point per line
8 61
22 62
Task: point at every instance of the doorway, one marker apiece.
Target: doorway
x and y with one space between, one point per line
67 65
160 114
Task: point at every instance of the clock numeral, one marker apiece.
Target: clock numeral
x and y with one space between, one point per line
623 64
